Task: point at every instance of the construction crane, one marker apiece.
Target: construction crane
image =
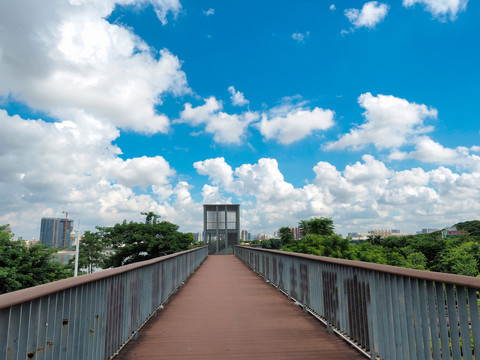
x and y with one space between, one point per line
65 226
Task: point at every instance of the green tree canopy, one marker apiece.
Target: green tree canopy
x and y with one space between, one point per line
317 226
133 242
22 266
90 253
473 227
286 235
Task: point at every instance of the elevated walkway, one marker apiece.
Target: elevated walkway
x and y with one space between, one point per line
226 311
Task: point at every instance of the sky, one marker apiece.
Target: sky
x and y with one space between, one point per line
363 112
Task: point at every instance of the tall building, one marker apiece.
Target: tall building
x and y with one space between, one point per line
54 233
297 234
197 237
221 227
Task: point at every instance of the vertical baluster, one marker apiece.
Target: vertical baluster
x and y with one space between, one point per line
464 326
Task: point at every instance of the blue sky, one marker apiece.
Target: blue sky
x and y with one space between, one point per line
364 112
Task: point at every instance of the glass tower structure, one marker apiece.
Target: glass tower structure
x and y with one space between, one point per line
221 227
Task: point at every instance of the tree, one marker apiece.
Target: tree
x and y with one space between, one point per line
303 227
321 226
472 227
337 247
286 235
459 260
317 226
22 266
133 242
90 252
274 244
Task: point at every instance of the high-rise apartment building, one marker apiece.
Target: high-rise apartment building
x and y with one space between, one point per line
54 232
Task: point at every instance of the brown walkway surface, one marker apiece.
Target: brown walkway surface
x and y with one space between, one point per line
226 311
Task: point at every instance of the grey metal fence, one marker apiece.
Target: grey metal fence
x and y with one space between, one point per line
387 312
91 316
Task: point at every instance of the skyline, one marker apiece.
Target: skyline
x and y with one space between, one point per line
362 112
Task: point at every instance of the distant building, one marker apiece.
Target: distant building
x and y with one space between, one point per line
245 235
381 232
376 232
55 232
426 231
263 237
197 237
297 234
386 233
452 232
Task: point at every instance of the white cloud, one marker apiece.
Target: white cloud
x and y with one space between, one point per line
390 123
209 12
62 57
237 97
218 171
300 37
143 171
212 195
226 128
370 15
332 7
429 151
289 122
440 9
363 196
51 167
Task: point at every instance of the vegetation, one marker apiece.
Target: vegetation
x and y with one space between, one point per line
91 252
456 255
22 266
132 242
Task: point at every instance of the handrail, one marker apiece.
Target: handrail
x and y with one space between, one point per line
387 312
23 295
91 316
462 280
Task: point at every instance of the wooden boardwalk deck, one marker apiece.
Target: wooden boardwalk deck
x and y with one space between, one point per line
225 311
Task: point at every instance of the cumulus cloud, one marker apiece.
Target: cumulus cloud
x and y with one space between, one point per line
226 128
218 171
50 167
143 171
441 9
364 195
390 123
237 97
300 37
62 57
290 122
430 151
370 15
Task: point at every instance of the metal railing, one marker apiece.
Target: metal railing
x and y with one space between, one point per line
91 316
387 312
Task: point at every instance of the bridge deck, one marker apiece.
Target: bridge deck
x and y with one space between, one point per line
226 311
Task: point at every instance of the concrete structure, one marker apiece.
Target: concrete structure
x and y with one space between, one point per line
221 227
452 232
197 236
245 235
52 231
426 231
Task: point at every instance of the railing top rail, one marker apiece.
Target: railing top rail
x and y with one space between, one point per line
23 295
459 280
